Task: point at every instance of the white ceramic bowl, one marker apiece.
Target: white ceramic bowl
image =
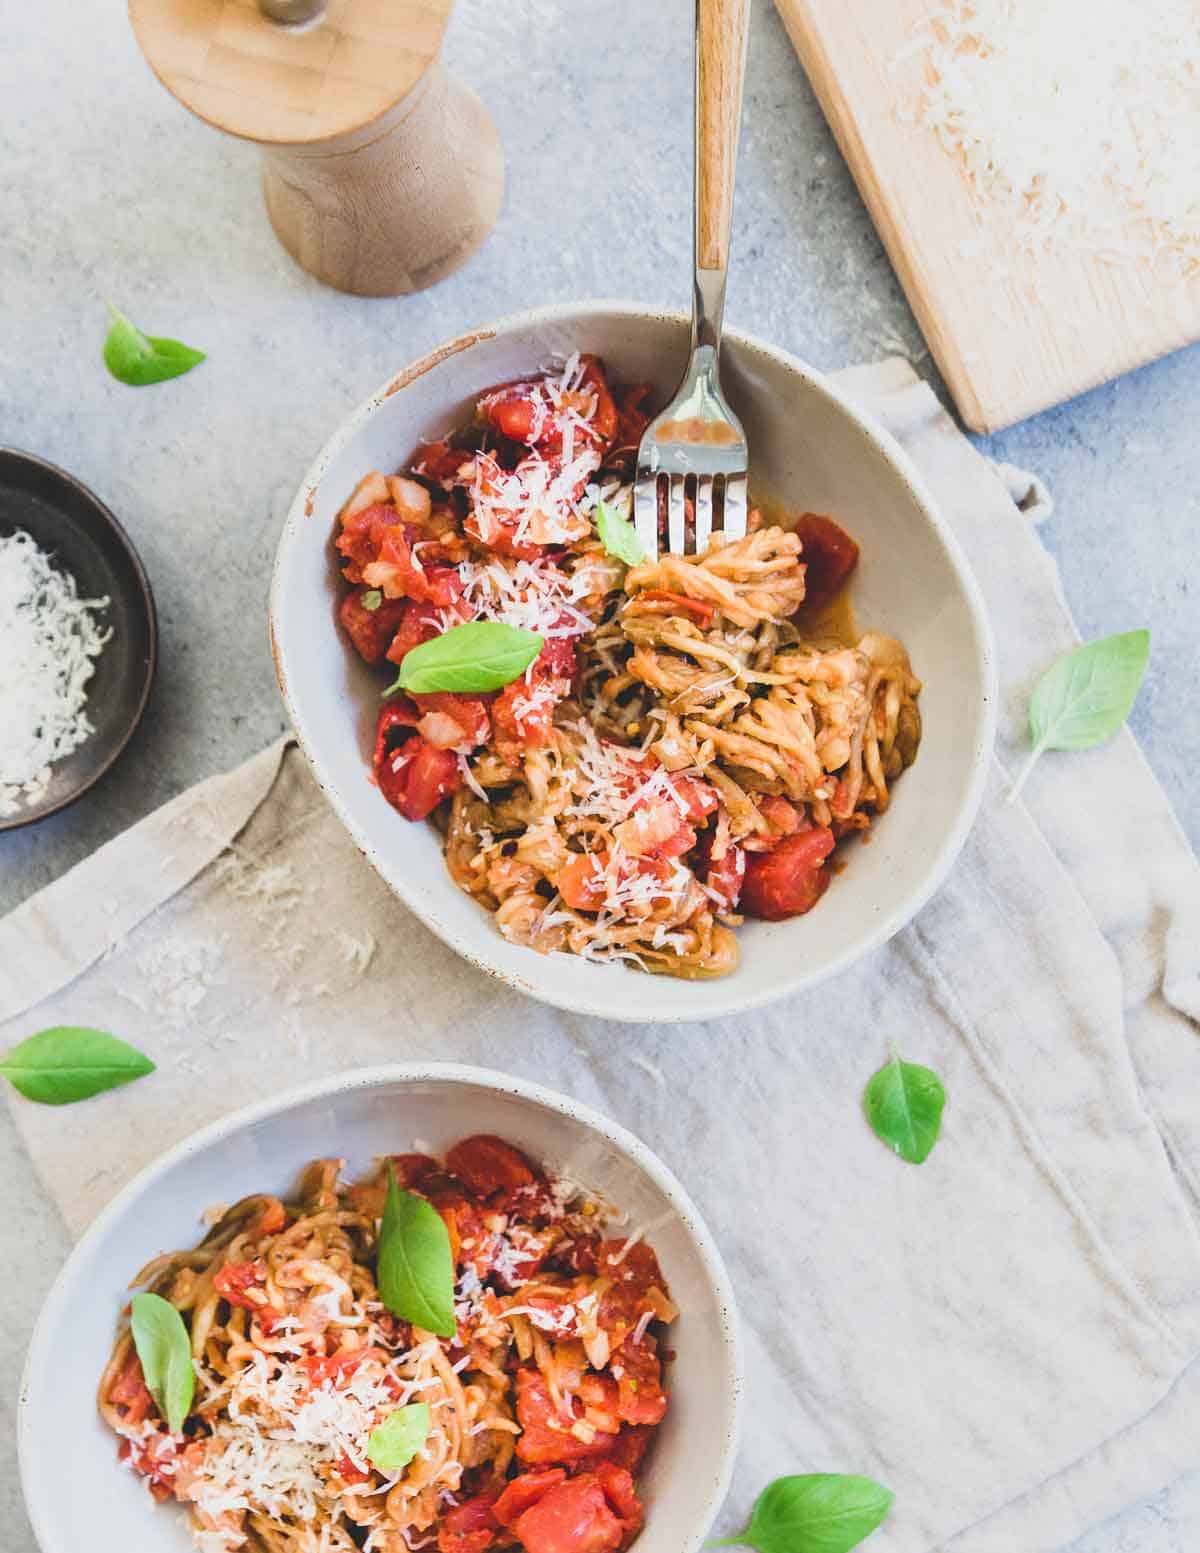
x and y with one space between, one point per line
361 1116
809 448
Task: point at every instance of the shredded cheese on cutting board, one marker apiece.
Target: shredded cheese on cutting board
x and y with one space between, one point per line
49 642
1081 118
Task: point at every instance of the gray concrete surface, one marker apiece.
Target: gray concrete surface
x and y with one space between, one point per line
110 189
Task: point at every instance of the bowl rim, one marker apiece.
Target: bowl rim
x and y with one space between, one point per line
724 1004
375 1077
144 594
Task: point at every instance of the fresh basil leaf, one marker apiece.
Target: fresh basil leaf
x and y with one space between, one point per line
69 1063
818 1512
1085 696
371 599
618 536
416 1269
477 656
399 1437
904 1104
165 1349
139 359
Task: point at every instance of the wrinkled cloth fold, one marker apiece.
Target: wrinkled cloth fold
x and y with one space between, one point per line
1008 1335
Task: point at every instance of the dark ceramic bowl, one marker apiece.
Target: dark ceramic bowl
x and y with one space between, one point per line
74 526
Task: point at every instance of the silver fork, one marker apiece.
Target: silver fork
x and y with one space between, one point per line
696 446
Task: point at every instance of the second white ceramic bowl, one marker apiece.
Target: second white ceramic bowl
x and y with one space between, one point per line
362 1116
810 448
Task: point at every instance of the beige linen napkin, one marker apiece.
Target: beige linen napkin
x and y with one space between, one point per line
1002 1335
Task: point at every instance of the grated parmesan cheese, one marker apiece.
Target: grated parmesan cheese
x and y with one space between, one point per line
1081 117
49 643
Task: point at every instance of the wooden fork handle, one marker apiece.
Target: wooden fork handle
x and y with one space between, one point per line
721 31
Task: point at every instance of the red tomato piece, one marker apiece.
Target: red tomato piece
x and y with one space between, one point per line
523 712
633 1269
371 630
789 879
486 1164
601 1400
546 1438
630 1448
453 721
414 1171
524 1491
349 1473
622 1497
700 798
723 878
130 1395
417 777
439 463
593 380
632 420
581 882
417 624
336 1368
469 1527
361 536
640 1397
572 1517
271 1220
829 556
659 601
232 1281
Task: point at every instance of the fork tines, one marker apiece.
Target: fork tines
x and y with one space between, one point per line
686 509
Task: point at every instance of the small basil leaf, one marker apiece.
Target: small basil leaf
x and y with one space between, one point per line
618 536
1085 696
399 1437
416 1269
140 359
904 1104
69 1063
818 1512
165 1349
371 600
478 656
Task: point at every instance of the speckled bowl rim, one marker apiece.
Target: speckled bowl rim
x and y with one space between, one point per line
385 1076
876 437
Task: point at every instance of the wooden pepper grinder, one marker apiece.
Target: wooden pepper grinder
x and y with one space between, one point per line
381 173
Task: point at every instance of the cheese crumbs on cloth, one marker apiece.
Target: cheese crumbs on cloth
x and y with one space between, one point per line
49 643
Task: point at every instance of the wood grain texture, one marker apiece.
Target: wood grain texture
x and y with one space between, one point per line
251 77
721 31
1012 332
401 211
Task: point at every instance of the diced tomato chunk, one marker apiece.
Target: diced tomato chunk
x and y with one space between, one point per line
658 601
524 1491
571 1517
439 463
640 1397
371 630
546 1438
413 776
581 881
271 1219
487 1164
235 1278
130 1395
633 1270
604 422
622 1497
349 1473
523 712
724 877
469 1527
699 797
361 535
417 623
829 556
413 1171
630 1448
789 879
336 1368
453 721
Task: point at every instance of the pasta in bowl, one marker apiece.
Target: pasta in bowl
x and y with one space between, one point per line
814 452
674 742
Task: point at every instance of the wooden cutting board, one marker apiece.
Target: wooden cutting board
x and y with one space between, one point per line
1012 331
